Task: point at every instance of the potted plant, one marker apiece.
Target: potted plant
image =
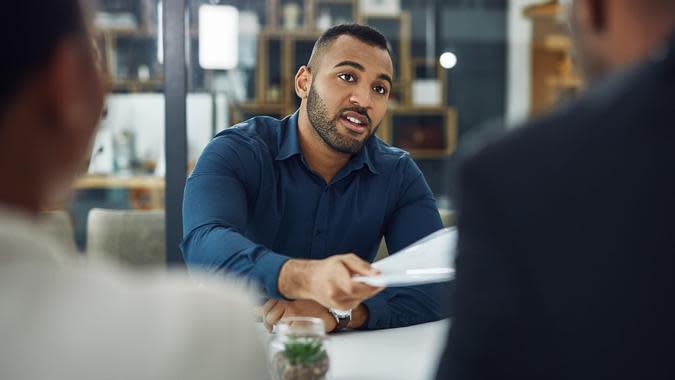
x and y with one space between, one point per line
302 359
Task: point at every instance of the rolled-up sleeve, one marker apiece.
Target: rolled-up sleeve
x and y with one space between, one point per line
414 217
215 214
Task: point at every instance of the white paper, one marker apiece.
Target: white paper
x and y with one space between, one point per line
426 261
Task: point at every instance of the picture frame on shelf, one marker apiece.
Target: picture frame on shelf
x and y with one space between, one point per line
429 83
424 133
380 7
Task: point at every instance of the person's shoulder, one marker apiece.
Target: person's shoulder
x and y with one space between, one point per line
256 132
18 235
206 325
387 158
601 114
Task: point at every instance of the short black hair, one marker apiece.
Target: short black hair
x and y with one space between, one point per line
30 31
363 33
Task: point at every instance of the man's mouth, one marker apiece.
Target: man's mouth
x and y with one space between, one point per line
355 122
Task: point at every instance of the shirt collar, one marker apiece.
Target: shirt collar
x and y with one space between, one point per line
289 146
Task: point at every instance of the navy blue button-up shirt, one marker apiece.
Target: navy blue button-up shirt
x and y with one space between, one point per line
252 203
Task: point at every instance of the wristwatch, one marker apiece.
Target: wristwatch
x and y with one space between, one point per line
343 317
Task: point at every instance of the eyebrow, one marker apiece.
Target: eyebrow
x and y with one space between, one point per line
360 67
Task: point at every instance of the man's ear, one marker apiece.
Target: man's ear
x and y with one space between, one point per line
60 87
303 82
597 14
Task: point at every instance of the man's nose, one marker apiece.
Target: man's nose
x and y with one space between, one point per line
361 96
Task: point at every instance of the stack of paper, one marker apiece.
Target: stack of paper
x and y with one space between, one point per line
426 261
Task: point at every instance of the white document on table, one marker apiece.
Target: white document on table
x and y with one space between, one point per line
426 261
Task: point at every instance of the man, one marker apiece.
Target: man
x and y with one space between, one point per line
566 243
300 205
58 321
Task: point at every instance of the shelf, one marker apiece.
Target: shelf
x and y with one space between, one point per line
114 181
550 9
555 42
565 82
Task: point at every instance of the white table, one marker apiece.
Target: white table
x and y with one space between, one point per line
407 353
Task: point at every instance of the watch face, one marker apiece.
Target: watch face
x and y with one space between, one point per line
341 313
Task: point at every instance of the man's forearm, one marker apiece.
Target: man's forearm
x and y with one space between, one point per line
293 278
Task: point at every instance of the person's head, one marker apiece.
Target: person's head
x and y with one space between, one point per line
345 86
610 34
51 97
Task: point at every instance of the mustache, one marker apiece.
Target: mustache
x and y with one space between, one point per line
359 110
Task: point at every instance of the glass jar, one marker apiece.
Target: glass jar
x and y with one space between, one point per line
298 350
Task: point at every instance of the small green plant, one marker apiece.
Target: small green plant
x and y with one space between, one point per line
304 352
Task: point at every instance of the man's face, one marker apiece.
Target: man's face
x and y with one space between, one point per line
81 83
349 93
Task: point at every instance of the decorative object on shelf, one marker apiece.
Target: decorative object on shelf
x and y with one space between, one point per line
143 73
124 151
429 83
427 92
324 21
298 350
380 7
424 132
292 13
274 94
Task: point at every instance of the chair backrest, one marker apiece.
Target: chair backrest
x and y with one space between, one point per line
127 237
59 225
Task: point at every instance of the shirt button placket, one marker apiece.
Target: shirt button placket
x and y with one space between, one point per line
320 220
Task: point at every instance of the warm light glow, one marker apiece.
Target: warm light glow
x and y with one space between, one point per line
218 37
448 60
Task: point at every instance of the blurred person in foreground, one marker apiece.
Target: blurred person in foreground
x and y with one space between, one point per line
59 321
566 253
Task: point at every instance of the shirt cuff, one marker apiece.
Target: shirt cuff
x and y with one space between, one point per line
267 269
376 310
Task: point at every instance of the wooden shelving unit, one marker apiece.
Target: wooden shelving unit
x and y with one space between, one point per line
284 43
554 76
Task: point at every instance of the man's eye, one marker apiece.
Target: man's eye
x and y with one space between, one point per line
380 90
347 77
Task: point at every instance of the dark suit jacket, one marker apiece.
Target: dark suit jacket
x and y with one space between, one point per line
566 264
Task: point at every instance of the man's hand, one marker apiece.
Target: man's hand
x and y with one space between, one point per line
328 281
275 310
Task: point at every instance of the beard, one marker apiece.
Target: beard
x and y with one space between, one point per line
327 127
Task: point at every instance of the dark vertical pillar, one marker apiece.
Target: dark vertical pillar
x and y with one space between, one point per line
175 132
